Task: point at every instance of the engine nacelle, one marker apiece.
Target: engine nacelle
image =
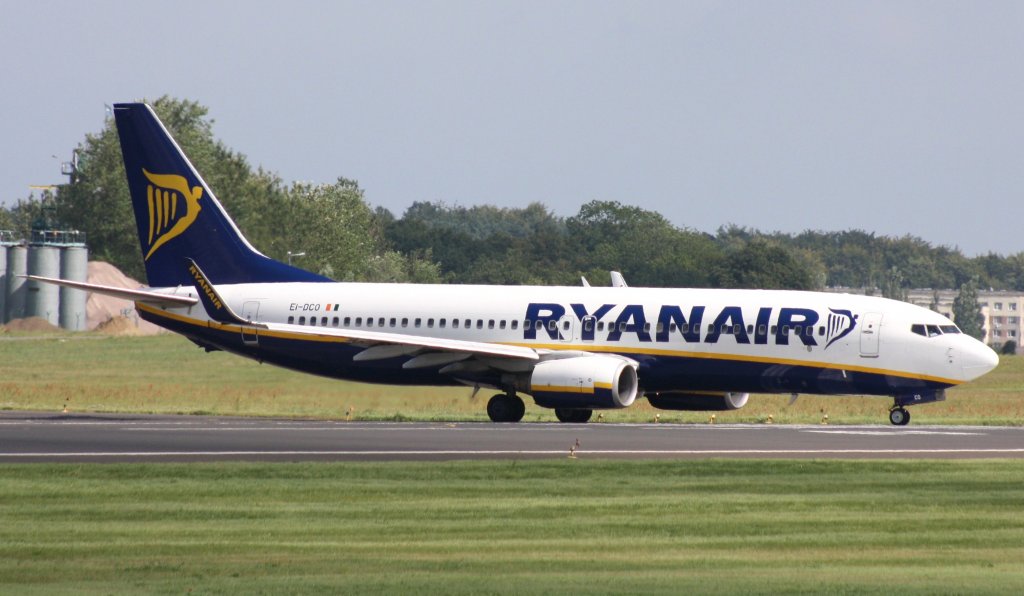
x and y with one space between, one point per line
698 401
591 382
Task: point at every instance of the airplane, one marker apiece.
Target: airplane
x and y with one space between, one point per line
571 349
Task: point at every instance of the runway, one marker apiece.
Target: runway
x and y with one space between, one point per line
48 437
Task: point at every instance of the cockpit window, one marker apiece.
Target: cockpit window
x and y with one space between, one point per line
933 330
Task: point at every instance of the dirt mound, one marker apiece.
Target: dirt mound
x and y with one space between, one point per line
31 324
101 309
119 326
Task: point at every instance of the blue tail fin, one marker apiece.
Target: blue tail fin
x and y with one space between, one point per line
177 215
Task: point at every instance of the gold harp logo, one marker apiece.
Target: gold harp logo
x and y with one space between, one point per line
168 217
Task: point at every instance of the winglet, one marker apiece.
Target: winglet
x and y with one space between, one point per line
215 306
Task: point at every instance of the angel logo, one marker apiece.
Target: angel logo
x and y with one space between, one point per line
173 207
840 323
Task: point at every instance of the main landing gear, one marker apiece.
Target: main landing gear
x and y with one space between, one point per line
506 408
510 408
899 416
576 415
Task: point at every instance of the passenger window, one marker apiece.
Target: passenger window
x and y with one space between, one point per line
490 324
809 331
455 323
501 324
775 329
469 324
441 323
798 330
480 323
933 331
405 322
588 325
348 321
685 328
323 321
762 329
392 322
622 327
821 330
647 327
369 321
430 323
291 320
565 325
737 329
539 325
918 329
660 328
380 322
302 320
750 329
785 329
417 323
359 321
553 325
600 325
711 328
334 322
672 327
515 324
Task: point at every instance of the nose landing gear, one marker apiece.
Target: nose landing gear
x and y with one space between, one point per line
899 416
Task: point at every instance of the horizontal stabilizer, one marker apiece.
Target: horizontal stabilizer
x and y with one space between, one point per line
147 296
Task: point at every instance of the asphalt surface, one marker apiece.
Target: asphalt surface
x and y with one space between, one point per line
48 437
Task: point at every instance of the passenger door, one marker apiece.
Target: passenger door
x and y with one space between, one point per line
870 334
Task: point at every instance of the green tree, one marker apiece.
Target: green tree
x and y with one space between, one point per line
966 312
893 285
643 245
762 264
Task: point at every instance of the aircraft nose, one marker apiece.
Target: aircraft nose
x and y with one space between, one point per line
979 359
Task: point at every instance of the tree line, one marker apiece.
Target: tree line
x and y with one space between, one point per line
344 238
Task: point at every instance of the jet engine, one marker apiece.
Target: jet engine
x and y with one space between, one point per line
698 401
585 382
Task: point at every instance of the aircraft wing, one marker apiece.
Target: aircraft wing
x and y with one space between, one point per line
401 344
378 345
145 296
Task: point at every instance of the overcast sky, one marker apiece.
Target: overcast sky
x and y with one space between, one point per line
891 117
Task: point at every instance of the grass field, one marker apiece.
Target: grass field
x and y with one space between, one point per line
168 374
515 527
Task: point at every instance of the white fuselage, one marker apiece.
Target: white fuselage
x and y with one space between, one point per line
690 338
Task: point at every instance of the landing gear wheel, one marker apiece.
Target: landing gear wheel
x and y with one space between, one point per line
506 408
573 415
899 416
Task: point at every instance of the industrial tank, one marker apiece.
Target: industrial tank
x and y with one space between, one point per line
3 283
43 300
17 265
74 265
